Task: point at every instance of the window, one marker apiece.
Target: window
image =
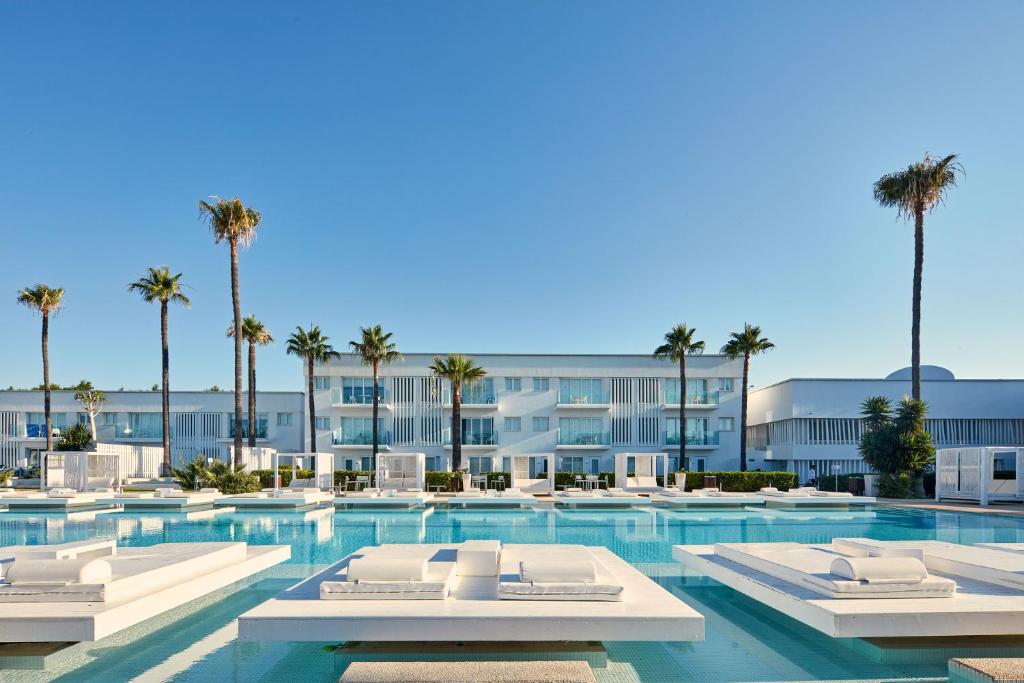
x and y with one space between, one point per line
572 463
696 392
145 426
513 424
513 384
358 431
359 390
541 383
726 424
541 424
582 431
434 463
480 464
323 423
320 383
585 391
284 419
478 431
109 418
725 384
480 392
261 425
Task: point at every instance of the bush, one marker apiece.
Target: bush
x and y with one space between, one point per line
900 485
267 476
564 479
341 477
440 478
77 437
5 477
217 475
744 482
238 482
828 481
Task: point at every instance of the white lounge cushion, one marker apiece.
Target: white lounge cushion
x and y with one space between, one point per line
61 493
372 568
207 489
619 493
769 489
880 570
59 572
135 494
436 584
832 494
472 493
603 587
571 570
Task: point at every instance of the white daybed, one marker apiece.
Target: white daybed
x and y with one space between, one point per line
375 498
521 473
705 498
279 499
401 471
475 591
162 498
55 499
644 477
87 591
611 498
988 599
476 498
807 497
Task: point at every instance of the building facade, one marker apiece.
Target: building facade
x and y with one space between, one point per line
583 408
202 422
800 423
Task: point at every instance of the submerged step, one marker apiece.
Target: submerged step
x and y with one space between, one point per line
482 672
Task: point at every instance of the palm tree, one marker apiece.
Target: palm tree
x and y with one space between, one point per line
314 347
919 188
254 332
459 370
375 349
680 343
234 223
46 300
160 285
747 343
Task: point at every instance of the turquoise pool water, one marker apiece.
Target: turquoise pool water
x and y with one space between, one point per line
744 641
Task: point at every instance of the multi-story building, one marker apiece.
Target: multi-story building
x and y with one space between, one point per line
583 408
800 423
202 422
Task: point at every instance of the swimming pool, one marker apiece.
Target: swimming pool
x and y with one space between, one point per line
743 641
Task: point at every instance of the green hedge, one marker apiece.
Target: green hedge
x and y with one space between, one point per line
745 482
563 479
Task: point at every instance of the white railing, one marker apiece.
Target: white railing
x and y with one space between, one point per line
134 462
256 458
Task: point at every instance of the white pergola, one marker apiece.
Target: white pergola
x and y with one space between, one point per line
968 474
322 465
401 471
78 470
521 473
645 470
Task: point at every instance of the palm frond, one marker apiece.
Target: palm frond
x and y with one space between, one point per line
42 298
679 342
749 342
159 285
230 220
920 187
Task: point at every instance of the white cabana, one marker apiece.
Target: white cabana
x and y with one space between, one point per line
322 465
78 470
529 477
969 474
397 471
643 476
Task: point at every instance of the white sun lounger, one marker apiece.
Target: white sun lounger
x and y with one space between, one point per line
567 573
174 499
808 497
611 498
393 572
705 498
281 499
374 498
55 499
512 497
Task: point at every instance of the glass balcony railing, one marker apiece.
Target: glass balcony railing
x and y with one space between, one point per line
143 432
340 438
583 439
692 438
584 399
699 398
471 438
358 396
261 431
34 430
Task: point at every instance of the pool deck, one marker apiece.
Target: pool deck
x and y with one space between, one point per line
948 506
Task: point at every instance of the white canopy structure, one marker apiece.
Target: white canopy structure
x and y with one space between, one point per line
643 476
398 471
322 465
529 477
78 470
969 473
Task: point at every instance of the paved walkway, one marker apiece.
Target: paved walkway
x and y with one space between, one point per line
958 506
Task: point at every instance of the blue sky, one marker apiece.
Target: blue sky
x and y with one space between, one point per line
518 177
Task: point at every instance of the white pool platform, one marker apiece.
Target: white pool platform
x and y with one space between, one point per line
383 499
644 611
600 499
988 599
297 499
145 582
148 501
696 499
47 502
810 498
508 498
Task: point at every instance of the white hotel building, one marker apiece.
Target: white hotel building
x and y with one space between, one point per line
583 408
202 422
797 423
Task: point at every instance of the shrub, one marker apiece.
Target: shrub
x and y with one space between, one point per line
238 482
440 478
267 476
896 443
744 482
217 475
901 485
343 476
828 482
563 479
77 437
5 477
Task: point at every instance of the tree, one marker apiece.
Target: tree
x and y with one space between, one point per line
914 191
459 370
92 401
896 445
314 347
46 300
375 349
74 438
234 223
680 343
747 343
254 332
159 285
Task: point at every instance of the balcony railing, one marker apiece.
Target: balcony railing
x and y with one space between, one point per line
261 431
471 438
129 433
358 396
340 438
586 399
700 398
692 438
34 430
583 438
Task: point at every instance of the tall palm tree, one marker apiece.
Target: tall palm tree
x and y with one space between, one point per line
160 285
459 370
747 343
46 300
680 343
375 349
253 332
234 223
919 188
314 347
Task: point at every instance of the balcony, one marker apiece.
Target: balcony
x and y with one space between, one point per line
583 440
357 397
695 440
702 399
591 400
360 440
139 434
34 430
261 431
475 400
472 440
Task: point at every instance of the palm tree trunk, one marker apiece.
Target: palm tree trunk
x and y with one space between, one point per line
252 395
165 394
743 414
456 427
682 415
312 408
915 324
376 404
236 304
46 381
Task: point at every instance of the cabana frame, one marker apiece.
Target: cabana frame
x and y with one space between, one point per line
969 474
79 470
323 468
645 465
521 473
401 471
